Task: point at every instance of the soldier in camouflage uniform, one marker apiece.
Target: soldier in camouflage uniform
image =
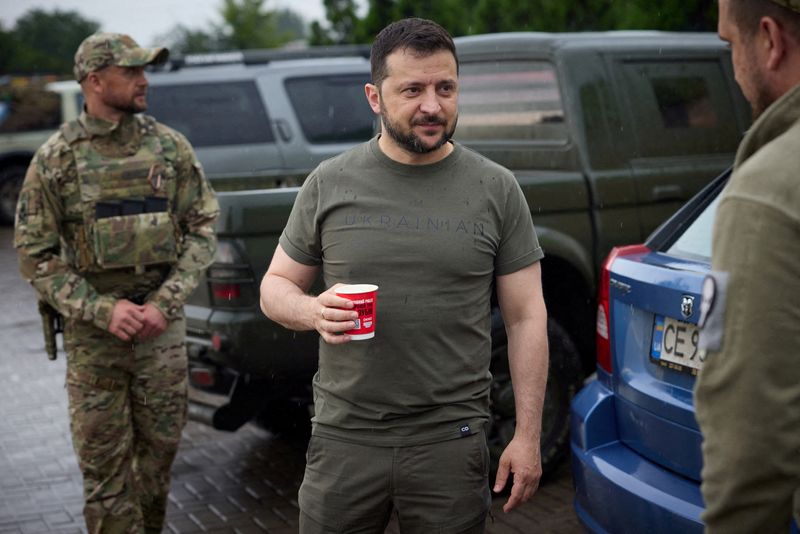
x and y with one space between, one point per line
114 225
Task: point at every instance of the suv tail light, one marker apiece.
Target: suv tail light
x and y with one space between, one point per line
231 282
201 376
602 338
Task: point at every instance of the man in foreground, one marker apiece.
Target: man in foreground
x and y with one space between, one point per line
400 418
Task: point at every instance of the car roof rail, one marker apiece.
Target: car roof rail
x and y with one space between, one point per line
266 55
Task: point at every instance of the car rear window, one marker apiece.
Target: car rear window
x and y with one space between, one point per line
695 242
212 114
510 100
332 109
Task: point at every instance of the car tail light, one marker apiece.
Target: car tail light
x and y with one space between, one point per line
216 341
603 337
201 377
231 283
226 291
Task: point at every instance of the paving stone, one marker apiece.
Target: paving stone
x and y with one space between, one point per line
36 526
58 518
8 524
225 510
248 527
181 525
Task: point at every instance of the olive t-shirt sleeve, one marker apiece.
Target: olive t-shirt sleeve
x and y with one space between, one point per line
519 245
301 238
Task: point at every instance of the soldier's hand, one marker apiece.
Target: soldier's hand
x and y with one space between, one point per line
154 323
127 320
330 320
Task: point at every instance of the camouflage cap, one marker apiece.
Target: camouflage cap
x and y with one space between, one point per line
794 5
103 49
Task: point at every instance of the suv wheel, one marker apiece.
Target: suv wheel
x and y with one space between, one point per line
563 381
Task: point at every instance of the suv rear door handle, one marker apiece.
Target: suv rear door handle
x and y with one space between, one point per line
284 131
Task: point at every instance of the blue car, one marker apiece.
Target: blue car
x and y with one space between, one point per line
635 442
636 456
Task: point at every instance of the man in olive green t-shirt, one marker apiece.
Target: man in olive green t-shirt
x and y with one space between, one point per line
748 393
399 418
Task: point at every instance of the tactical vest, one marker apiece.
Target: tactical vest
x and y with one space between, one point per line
126 203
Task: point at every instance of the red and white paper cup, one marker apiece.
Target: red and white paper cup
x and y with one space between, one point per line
364 297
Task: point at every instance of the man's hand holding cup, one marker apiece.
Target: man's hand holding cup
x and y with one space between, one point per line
346 313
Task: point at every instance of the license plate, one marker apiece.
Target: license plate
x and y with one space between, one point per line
675 345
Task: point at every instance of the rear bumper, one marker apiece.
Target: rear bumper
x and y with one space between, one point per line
249 343
616 489
241 364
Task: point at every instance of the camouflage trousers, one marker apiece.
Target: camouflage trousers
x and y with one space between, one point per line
127 407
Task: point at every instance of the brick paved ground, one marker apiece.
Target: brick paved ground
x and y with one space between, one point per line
244 482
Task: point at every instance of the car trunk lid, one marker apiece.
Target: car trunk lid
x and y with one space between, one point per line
654 306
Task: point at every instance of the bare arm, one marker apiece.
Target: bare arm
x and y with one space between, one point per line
525 316
284 299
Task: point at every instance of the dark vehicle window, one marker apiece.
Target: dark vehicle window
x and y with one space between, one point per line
684 102
510 100
332 109
212 113
681 108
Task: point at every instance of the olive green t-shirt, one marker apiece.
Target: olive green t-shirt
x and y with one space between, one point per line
433 238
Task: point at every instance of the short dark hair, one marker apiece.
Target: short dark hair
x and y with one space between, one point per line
747 13
422 36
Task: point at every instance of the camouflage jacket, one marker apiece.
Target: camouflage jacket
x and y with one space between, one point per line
50 209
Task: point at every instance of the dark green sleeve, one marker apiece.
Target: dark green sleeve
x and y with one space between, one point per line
301 238
519 245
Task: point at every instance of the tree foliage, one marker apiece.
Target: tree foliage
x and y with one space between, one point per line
344 23
43 42
245 24
467 17
182 40
290 24
248 25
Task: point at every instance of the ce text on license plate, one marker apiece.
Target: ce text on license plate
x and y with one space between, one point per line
675 345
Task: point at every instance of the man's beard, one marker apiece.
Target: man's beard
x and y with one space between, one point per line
125 105
411 141
133 108
762 99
